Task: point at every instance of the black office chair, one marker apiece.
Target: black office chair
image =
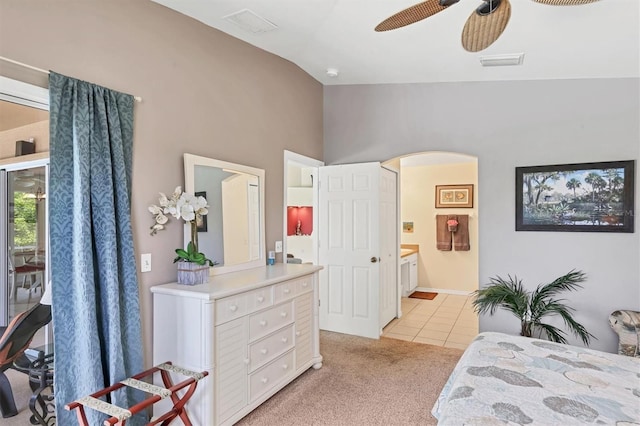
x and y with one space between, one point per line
15 339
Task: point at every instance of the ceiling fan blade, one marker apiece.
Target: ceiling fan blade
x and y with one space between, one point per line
565 2
412 14
482 30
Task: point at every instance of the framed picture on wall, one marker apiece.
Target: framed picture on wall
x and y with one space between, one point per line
454 196
201 221
584 197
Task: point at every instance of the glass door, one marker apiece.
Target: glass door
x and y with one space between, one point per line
24 244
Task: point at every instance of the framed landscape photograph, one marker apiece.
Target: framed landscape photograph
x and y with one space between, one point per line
454 196
586 197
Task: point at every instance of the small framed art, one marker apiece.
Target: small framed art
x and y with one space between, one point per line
454 196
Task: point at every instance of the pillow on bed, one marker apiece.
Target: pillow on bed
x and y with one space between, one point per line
627 325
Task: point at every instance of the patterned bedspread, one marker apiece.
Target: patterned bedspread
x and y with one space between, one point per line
503 379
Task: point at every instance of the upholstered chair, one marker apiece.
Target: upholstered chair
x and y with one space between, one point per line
627 325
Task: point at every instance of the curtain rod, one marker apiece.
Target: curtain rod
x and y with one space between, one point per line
31 67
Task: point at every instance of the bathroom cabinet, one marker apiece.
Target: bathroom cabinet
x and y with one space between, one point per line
254 331
409 273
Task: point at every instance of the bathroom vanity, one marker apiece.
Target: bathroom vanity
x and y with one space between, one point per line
253 330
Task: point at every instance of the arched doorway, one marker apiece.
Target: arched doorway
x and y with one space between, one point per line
448 319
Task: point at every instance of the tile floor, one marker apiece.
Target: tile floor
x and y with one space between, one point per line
448 320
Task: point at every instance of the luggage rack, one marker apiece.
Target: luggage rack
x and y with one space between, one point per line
119 415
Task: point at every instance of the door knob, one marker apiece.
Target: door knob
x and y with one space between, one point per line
375 259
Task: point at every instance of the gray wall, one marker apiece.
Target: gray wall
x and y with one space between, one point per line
509 124
204 92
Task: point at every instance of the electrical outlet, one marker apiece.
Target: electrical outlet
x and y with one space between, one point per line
145 262
278 246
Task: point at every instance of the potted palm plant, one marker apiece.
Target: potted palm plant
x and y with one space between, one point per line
532 307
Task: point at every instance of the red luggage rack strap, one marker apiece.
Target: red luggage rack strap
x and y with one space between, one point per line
120 415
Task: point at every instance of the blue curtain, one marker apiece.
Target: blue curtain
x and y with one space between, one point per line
96 312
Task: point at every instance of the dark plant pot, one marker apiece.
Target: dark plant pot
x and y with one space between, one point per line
190 273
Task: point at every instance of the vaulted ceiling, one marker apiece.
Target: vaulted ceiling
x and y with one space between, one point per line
596 40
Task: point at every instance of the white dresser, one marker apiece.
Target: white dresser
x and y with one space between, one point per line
254 331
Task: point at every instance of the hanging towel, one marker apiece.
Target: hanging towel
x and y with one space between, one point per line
443 235
461 236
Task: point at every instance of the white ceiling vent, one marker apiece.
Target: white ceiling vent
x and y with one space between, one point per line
250 22
502 60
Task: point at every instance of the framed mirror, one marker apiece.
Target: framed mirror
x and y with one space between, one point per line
232 233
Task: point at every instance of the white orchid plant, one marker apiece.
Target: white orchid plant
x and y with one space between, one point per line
187 207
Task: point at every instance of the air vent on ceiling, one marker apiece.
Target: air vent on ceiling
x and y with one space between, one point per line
249 21
502 60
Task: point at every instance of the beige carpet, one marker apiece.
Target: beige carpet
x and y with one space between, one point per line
362 382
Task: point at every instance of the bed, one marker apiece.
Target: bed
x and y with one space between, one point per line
504 379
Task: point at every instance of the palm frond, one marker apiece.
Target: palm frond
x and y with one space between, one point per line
575 327
508 294
568 282
553 333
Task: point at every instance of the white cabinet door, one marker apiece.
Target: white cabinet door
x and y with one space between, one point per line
413 271
303 329
231 368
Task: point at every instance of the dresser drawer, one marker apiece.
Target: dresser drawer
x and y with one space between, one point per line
259 299
284 291
267 321
264 350
289 289
304 285
231 307
270 375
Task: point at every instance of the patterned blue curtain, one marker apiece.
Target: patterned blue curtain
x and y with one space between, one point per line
96 312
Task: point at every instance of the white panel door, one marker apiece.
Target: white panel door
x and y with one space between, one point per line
388 247
349 218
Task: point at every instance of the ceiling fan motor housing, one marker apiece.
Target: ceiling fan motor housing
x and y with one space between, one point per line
488 7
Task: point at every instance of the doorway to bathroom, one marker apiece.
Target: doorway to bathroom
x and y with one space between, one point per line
426 266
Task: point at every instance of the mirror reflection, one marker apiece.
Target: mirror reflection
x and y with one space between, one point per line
232 233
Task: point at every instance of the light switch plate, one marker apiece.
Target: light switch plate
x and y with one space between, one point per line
278 246
145 262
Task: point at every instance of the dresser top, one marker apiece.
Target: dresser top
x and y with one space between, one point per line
224 285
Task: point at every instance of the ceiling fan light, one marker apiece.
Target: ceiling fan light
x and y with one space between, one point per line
502 60
332 72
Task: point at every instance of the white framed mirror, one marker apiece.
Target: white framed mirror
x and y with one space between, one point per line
232 233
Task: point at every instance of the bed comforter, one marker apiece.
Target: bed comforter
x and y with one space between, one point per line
503 379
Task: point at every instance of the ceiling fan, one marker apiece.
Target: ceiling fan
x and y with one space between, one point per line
483 27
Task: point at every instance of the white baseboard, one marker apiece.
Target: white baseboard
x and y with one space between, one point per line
443 291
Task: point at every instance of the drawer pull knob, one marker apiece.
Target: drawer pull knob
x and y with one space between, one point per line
260 299
285 340
264 380
263 323
305 284
286 291
233 308
283 314
298 333
285 366
246 361
263 351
